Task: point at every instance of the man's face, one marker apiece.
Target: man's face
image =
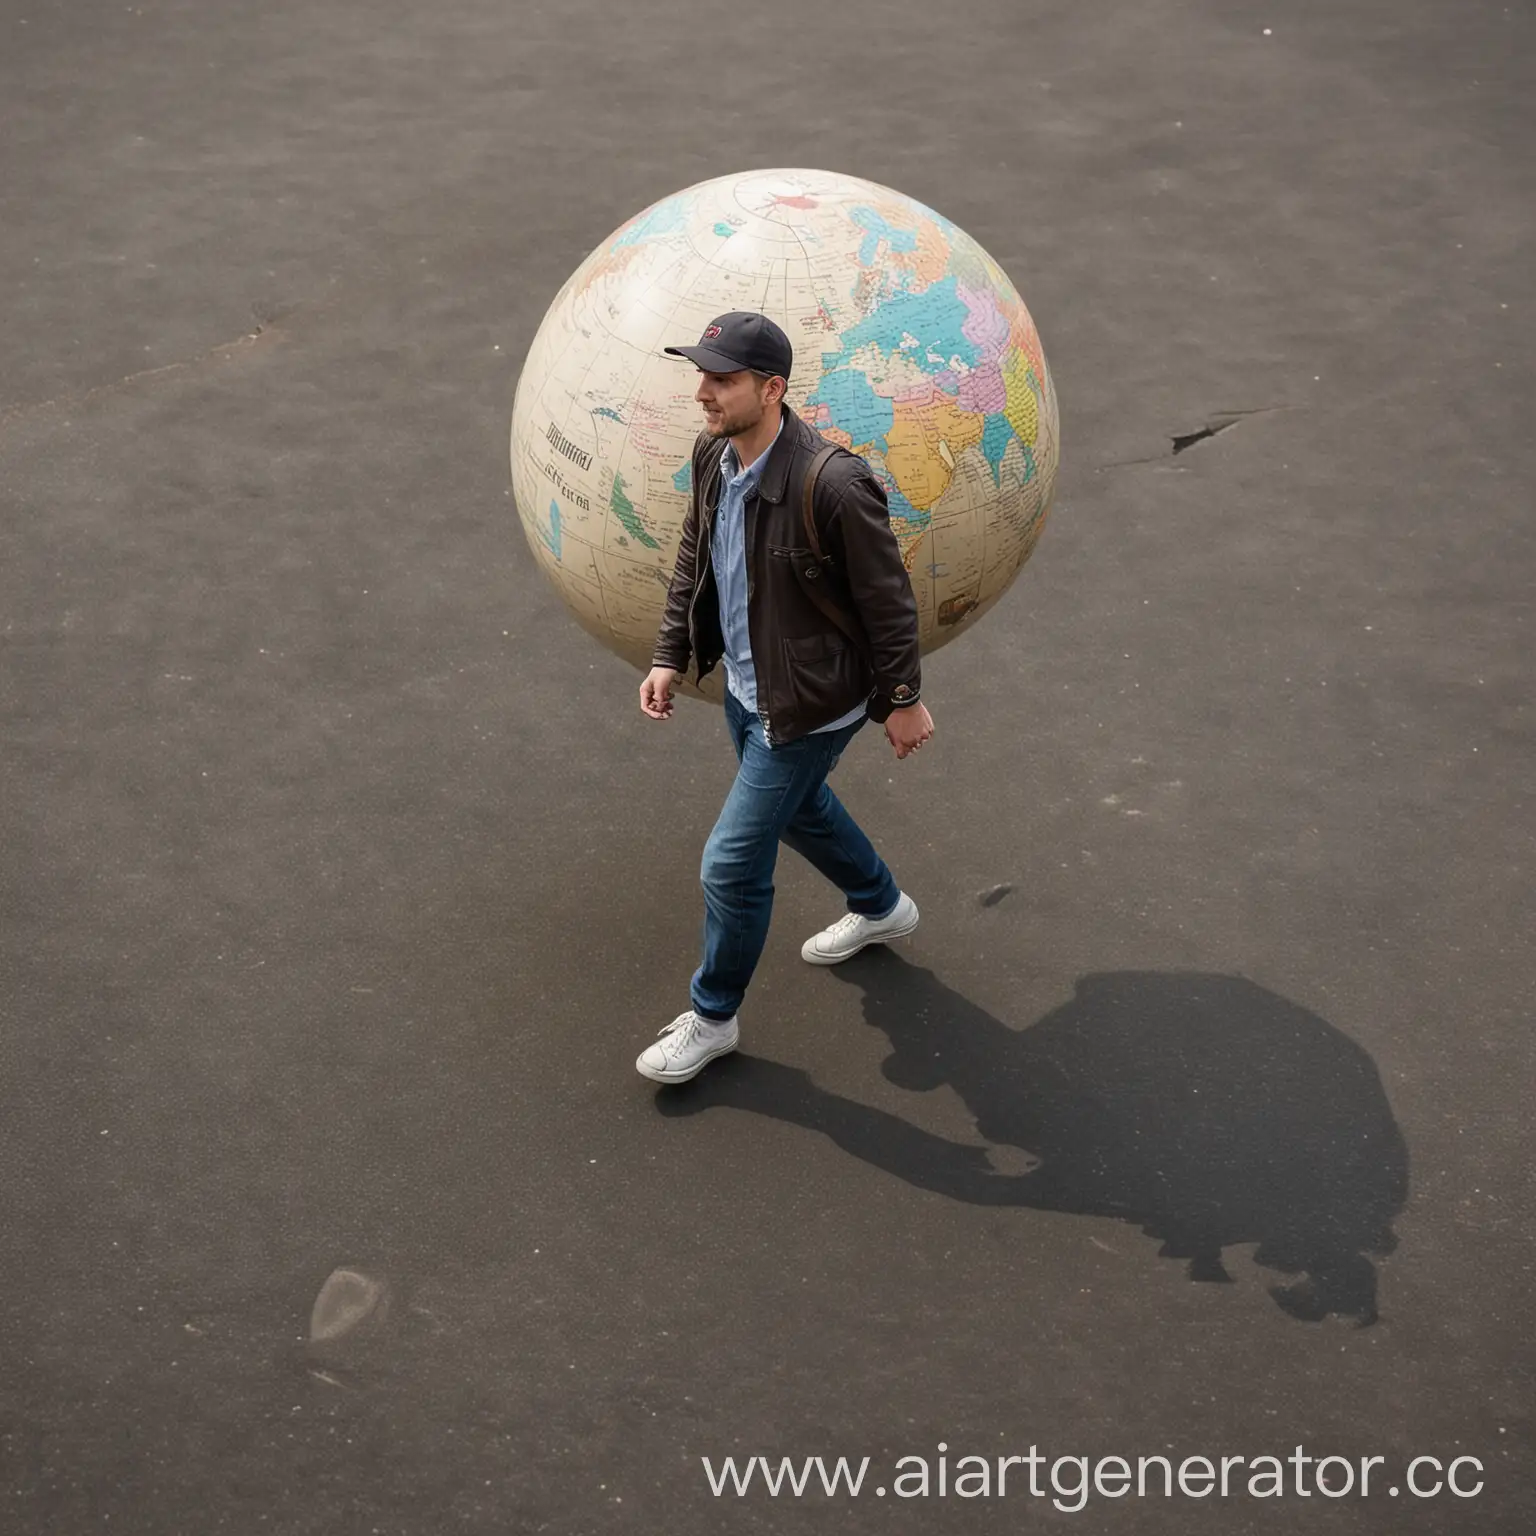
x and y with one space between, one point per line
733 402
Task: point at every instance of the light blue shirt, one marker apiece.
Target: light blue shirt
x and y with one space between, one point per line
728 551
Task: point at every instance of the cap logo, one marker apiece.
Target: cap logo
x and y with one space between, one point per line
711 332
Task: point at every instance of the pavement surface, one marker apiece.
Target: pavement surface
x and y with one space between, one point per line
344 879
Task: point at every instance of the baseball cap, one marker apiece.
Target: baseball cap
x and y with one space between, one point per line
739 340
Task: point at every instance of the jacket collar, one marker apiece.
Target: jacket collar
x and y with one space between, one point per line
776 471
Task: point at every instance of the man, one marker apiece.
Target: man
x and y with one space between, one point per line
812 648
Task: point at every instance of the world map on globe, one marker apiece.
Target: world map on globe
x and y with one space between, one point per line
912 348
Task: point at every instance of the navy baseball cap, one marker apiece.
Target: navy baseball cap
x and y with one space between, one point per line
739 340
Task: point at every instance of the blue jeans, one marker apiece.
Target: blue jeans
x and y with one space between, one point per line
780 794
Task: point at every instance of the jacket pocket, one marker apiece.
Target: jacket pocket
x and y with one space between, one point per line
812 650
806 566
823 674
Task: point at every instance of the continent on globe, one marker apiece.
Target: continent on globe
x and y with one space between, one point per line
912 348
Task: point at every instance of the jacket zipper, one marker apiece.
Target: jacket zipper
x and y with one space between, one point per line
762 709
692 642
698 581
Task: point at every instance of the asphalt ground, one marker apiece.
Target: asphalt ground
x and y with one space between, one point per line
344 879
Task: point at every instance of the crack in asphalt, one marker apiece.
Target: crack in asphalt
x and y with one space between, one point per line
264 327
1214 425
1217 421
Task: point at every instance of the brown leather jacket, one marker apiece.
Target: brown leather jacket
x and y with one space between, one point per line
809 670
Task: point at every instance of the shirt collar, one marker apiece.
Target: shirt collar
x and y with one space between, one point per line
755 468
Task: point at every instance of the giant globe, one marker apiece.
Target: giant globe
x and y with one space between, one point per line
912 348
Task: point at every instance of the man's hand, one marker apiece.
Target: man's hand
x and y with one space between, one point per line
907 729
656 693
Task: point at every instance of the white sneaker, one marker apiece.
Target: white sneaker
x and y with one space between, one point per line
685 1047
850 933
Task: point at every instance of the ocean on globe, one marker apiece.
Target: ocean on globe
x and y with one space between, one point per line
911 346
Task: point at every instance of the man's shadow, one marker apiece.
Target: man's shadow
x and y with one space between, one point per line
1204 1108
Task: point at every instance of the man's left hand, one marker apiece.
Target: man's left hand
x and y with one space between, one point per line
907 729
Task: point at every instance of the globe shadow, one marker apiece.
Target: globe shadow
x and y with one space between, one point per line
1205 1109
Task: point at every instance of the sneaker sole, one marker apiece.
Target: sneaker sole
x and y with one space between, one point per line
692 1072
848 954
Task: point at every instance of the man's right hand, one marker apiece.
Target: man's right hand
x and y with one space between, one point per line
656 693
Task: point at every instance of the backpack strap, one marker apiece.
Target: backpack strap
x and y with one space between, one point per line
812 584
811 476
